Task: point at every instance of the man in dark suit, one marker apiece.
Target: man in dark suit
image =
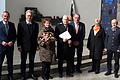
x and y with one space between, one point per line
7 40
27 43
79 29
64 47
112 46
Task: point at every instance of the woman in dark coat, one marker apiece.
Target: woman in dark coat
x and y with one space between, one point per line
46 41
96 45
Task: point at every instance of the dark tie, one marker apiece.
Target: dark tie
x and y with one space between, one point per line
6 28
30 28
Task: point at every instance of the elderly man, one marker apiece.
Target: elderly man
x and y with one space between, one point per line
112 46
64 47
27 43
7 40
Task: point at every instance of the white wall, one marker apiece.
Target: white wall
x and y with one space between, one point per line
88 9
2 7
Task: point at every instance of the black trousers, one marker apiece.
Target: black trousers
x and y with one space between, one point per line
68 56
23 62
79 56
46 70
8 52
109 61
96 65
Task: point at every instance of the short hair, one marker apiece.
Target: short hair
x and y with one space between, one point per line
29 11
6 12
76 14
65 16
115 21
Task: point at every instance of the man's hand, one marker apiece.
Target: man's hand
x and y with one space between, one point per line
69 42
105 49
76 43
19 49
4 43
64 40
118 50
10 43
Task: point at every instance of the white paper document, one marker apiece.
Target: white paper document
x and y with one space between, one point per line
65 35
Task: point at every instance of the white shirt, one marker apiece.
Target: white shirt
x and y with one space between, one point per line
28 22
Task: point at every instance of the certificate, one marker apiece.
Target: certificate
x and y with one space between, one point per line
65 35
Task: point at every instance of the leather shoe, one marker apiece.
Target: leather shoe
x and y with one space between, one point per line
50 77
91 70
60 75
78 70
97 72
23 78
116 75
107 73
33 77
45 78
69 75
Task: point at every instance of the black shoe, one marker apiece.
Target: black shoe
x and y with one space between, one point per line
70 75
33 77
50 77
44 78
23 78
97 72
107 73
116 75
60 75
91 70
78 70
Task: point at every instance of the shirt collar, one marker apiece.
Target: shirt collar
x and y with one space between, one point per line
5 22
28 22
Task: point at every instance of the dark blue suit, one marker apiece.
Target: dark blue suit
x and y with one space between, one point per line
8 51
112 43
79 37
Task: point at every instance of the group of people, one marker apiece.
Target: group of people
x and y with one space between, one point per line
29 38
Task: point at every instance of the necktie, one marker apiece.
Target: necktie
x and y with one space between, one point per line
76 27
6 28
30 28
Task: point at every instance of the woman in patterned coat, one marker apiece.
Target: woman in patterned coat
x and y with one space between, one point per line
46 41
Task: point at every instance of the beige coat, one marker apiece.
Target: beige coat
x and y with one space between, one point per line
46 49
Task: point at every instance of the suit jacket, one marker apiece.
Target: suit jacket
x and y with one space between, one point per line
63 46
112 40
27 38
81 33
96 43
11 36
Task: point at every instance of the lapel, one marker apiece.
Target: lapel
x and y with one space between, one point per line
63 29
79 28
26 28
3 28
9 27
